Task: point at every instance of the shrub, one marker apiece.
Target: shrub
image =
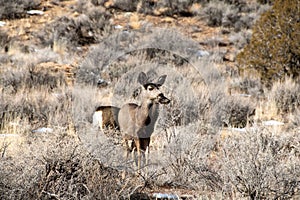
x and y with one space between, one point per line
163 7
273 51
186 162
16 8
30 78
177 7
34 95
214 14
4 41
86 29
56 166
261 165
230 14
286 96
246 86
126 5
240 39
232 112
265 1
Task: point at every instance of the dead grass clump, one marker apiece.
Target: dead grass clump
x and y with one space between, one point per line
16 8
259 165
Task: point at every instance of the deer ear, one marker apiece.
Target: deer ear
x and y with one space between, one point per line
142 79
136 92
161 80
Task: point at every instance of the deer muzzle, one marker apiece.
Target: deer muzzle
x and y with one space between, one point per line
162 99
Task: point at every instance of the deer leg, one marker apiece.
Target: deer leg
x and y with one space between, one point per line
138 148
128 149
145 149
147 156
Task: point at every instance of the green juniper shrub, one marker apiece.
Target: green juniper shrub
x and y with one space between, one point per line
273 51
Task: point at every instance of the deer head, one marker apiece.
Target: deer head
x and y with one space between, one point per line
150 90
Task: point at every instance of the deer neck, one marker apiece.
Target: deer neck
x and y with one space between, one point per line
147 113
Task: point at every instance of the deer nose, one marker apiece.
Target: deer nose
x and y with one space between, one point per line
162 99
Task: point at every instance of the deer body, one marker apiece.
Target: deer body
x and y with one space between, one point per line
137 122
106 117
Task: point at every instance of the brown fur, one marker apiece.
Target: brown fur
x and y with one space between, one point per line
137 122
109 116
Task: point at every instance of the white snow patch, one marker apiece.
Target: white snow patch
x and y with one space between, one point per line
272 123
43 130
118 27
2 23
242 130
35 12
9 135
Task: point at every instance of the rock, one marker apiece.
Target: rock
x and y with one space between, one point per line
168 20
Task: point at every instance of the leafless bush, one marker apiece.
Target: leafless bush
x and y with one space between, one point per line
38 108
36 96
186 160
294 119
240 39
32 77
56 166
16 8
232 112
232 14
260 165
4 41
286 95
164 7
214 13
246 86
176 7
126 5
88 28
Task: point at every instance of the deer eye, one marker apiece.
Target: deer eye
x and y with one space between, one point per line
150 88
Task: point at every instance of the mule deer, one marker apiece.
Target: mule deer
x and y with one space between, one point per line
106 117
137 121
